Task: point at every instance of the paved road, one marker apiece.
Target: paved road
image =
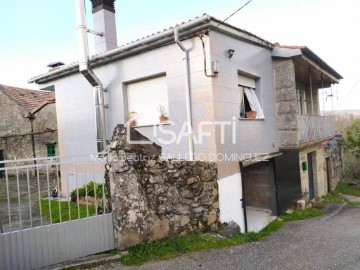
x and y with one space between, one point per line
328 242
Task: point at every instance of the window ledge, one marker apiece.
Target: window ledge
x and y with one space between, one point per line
154 125
251 119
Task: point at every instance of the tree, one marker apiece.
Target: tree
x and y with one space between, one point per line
352 139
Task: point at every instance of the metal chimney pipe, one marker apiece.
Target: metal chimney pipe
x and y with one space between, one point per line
90 76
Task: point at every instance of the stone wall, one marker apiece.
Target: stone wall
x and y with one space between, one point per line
319 170
334 152
15 130
153 198
326 174
286 102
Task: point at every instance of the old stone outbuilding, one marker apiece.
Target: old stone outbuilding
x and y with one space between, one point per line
28 126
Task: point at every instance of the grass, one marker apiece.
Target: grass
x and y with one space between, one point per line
64 206
171 247
343 188
346 188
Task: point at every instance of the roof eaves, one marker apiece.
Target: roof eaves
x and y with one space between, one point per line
309 53
218 24
38 108
284 51
158 39
122 51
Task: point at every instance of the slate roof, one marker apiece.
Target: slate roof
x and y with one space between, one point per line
29 100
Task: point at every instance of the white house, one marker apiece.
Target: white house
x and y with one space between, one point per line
206 74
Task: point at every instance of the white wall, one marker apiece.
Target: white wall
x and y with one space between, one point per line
252 136
230 195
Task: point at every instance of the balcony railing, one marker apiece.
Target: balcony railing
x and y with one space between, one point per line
314 128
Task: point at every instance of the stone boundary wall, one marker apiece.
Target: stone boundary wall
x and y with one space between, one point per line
153 198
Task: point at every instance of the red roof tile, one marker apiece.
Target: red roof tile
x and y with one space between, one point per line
27 99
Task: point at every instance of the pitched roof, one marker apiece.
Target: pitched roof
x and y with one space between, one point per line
29 100
166 36
309 53
187 29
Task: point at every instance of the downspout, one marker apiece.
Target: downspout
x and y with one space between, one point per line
243 201
187 93
90 76
31 119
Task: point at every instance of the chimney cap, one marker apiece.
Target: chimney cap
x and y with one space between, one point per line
98 5
55 64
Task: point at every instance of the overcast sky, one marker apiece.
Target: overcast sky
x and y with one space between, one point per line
35 33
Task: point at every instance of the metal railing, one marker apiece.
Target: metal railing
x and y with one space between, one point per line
313 128
43 191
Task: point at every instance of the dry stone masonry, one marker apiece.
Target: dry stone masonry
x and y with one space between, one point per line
153 198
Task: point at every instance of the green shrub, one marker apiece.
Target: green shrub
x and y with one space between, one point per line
90 189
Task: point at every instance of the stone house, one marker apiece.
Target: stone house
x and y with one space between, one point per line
209 77
28 126
299 77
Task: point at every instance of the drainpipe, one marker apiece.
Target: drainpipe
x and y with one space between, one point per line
31 118
90 75
243 201
187 92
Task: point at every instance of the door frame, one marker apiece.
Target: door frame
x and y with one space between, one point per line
311 176
328 173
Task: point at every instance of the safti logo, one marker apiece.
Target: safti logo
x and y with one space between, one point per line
165 136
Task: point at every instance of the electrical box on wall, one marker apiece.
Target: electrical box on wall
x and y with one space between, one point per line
304 165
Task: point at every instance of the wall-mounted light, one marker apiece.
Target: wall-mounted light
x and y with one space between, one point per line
230 53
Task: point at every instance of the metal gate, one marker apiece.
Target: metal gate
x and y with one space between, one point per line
288 182
43 221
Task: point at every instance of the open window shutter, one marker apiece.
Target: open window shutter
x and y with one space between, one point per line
144 98
254 102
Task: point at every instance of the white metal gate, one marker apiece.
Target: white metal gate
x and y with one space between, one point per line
38 228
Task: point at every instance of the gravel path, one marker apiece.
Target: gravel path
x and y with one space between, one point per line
328 242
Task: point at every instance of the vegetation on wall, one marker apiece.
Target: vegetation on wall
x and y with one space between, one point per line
352 152
352 139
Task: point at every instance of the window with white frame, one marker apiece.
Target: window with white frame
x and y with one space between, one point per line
145 99
250 106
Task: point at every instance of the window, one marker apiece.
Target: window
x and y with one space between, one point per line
50 149
249 102
144 99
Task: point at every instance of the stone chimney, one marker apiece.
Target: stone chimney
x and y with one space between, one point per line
104 22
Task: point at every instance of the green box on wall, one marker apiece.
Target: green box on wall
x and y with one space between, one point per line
304 165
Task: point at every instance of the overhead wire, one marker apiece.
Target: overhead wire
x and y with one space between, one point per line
350 92
232 14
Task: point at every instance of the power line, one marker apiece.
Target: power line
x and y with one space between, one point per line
232 14
350 92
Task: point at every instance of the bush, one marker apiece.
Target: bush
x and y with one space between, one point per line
352 139
351 168
91 188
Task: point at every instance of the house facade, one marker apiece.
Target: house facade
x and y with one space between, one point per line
299 77
203 72
28 126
